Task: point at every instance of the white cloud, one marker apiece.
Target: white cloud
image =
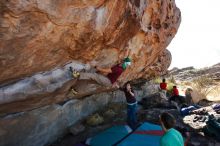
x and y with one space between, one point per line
197 41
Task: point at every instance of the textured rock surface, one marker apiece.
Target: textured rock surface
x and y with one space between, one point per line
38 38
205 82
39 35
44 125
190 73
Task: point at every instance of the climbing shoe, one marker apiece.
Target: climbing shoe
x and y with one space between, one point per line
75 74
74 92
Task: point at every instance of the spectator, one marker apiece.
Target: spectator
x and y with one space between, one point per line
131 105
163 87
171 136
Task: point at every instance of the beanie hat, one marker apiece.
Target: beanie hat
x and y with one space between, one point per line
127 59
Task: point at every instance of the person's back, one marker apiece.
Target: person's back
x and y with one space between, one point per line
163 85
175 91
171 137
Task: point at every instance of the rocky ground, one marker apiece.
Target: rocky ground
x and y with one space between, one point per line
190 73
150 110
205 82
115 114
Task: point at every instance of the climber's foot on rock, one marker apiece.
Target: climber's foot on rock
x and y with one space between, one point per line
74 92
74 73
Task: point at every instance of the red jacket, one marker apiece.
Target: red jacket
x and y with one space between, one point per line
163 86
175 92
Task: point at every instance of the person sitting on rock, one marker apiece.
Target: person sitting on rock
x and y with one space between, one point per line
171 137
131 105
163 87
175 94
176 99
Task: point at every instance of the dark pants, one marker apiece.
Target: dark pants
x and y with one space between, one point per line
131 115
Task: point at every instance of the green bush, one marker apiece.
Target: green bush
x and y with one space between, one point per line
157 80
170 87
172 80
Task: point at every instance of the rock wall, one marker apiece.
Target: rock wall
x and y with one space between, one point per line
40 39
39 35
45 125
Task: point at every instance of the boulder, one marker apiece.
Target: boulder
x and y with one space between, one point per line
95 120
40 39
76 129
155 100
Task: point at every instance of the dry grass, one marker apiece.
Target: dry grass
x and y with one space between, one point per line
204 86
214 94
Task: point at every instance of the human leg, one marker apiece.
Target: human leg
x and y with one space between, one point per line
100 79
131 115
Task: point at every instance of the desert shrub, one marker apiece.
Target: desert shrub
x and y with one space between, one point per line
170 87
186 83
172 80
203 85
157 80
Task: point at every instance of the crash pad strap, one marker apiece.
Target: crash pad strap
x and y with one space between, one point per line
150 132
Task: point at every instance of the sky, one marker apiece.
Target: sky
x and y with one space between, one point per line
197 42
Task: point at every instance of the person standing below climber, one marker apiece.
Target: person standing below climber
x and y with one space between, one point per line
171 136
163 87
131 105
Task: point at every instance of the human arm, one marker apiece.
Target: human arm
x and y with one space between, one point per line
131 92
117 86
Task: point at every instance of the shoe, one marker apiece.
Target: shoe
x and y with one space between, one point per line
203 119
197 118
74 91
74 73
217 111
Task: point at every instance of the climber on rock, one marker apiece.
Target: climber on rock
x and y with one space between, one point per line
107 77
114 72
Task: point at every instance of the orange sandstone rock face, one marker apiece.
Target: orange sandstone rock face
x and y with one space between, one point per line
40 35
